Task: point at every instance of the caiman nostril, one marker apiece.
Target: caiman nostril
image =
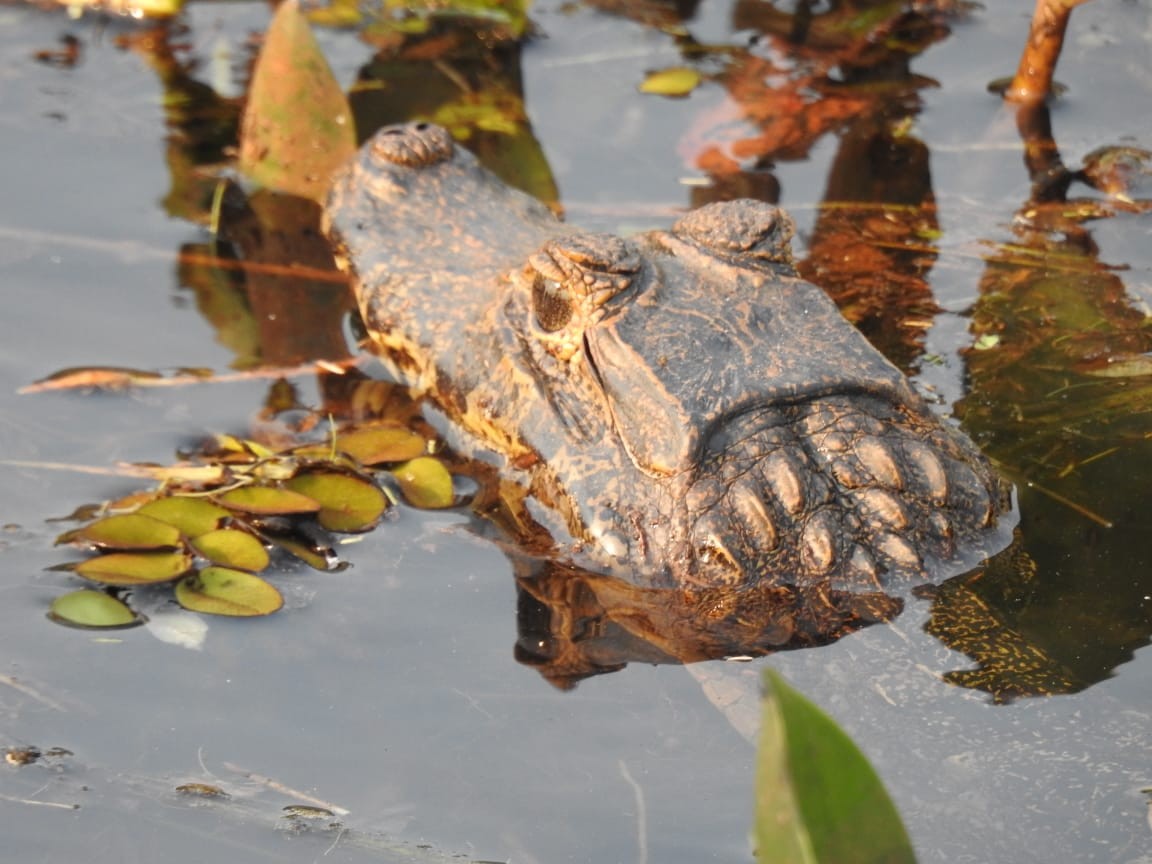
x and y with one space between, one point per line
413 145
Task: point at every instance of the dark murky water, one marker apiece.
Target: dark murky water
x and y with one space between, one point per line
390 689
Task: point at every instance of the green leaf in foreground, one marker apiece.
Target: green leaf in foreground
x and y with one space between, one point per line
135 568
425 483
818 801
232 547
92 610
221 591
297 126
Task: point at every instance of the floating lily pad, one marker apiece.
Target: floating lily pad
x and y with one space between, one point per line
675 82
268 501
379 444
193 516
135 568
425 483
222 591
92 610
131 531
231 547
348 503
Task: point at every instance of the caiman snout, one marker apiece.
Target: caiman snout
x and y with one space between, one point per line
851 491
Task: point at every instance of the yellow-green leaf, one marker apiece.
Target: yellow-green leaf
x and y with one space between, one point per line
297 127
348 503
192 516
378 444
267 501
135 568
131 531
425 483
221 591
818 801
93 610
675 81
322 558
232 547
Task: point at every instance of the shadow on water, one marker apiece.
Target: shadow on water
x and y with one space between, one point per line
1056 382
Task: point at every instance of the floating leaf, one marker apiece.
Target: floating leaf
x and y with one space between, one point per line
231 547
425 483
675 81
221 591
135 568
818 800
94 610
297 127
986 341
268 501
193 516
348 503
315 555
378 444
131 531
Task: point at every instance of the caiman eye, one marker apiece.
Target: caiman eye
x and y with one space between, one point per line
551 302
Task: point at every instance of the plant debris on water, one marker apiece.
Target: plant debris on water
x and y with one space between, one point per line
211 539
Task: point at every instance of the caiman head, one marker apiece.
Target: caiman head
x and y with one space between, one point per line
680 407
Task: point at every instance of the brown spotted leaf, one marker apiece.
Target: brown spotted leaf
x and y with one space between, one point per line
297 127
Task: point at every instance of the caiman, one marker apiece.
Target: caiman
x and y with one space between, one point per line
678 408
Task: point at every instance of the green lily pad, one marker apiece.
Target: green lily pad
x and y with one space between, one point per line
425 483
222 591
348 503
231 547
268 501
135 568
130 531
379 444
817 798
674 82
192 516
92 610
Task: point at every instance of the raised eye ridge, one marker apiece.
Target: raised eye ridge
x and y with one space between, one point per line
413 145
742 228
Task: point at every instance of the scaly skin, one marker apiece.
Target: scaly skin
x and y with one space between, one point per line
681 408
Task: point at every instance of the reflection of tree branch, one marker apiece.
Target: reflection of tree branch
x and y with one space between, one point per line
1032 83
1050 178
